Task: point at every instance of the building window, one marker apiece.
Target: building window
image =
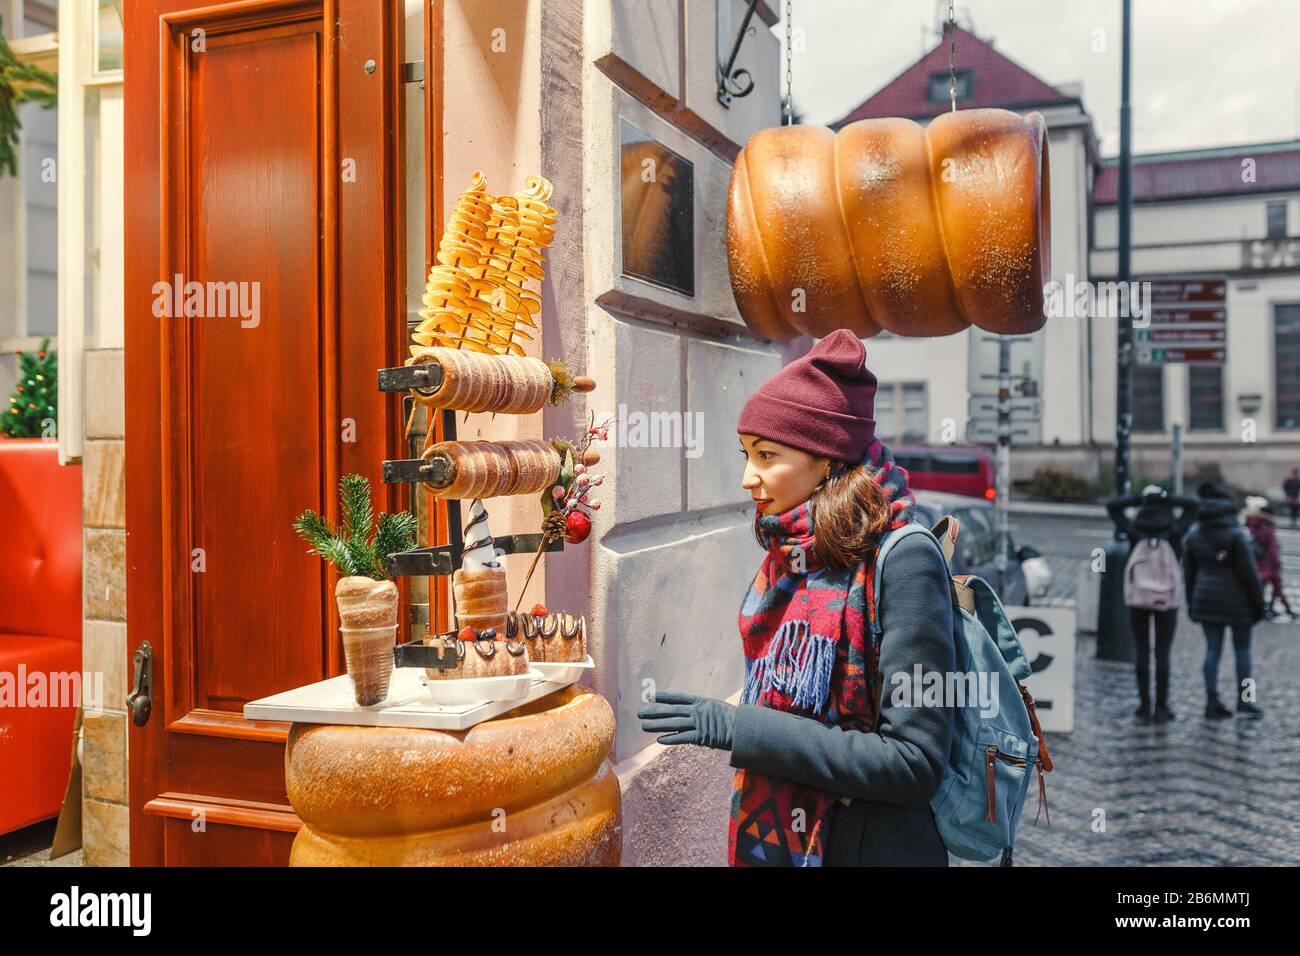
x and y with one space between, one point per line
937 87
1286 365
1205 397
658 209
1148 398
900 411
1276 220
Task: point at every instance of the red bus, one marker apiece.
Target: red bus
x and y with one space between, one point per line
956 469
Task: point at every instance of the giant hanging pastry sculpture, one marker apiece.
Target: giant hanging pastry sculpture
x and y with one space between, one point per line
889 225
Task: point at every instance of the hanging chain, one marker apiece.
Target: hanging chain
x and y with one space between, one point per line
789 72
952 57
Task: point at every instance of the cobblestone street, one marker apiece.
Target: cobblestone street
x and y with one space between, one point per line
1193 792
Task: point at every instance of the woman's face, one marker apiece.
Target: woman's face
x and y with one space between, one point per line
777 476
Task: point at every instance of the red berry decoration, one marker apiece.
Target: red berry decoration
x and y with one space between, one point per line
466 634
578 527
539 610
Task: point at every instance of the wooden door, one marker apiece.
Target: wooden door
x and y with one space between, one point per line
262 149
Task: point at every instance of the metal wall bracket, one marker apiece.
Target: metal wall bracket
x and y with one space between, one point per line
420 375
419 654
442 560
732 82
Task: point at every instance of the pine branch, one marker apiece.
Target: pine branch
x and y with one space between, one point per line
313 527
354 492
362 557
335 551
19 83
353 548
395 533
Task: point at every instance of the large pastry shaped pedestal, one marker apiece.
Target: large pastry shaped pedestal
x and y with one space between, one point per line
389 796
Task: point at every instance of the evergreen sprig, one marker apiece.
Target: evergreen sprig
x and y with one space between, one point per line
19 83
353 548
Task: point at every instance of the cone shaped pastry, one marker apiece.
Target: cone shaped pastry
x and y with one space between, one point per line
365 602
481 599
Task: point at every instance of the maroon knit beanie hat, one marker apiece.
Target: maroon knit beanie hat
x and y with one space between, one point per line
821 403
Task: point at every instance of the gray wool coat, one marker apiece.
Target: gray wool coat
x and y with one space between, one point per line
889 774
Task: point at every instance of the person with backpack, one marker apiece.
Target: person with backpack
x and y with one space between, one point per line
1223 591
832 769
1291 488
1151 579
1268 558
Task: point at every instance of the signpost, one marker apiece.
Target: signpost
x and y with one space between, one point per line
1189 321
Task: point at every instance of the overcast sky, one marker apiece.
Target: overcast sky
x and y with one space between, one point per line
1204 72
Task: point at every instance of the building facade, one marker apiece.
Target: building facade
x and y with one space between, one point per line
1225 215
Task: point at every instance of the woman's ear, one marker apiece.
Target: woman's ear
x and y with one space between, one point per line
826 473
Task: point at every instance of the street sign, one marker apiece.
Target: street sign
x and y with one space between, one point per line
1022 409
1047 635
1188 315
1148 354
1176 290
983 431
1188 321
1188 336
982 361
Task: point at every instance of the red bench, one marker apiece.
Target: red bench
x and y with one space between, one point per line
40 626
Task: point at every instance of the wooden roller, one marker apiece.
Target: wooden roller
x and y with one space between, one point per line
486 469
886 224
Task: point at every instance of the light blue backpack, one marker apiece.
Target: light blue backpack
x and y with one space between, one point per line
991 758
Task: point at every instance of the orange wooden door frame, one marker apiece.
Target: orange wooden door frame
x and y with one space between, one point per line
263 146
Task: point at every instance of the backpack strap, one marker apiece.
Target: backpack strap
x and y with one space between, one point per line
945 529
887 544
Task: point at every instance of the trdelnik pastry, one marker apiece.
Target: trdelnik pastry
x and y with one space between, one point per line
481 602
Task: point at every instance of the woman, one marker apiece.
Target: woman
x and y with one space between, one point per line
1154 519
1223 591
1268 558
832 769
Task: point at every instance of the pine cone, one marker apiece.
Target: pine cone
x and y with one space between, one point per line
554 525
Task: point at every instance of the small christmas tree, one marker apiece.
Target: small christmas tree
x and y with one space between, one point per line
354 548
33 408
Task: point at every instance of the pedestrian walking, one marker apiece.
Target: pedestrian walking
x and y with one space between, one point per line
1151 580
829 771
1291 488
1268 559
1223 592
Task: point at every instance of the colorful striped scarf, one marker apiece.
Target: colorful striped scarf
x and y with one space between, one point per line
811 647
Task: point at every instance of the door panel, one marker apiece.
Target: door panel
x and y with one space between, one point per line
239 119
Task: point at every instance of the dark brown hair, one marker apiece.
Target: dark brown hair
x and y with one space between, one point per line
850 513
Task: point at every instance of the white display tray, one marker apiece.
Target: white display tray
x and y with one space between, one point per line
563 672
481 690
332 701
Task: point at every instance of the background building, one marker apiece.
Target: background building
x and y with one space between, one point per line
1229 213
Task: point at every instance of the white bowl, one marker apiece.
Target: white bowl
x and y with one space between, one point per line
478 690
563 672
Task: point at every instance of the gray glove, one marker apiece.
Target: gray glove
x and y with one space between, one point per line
699 720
